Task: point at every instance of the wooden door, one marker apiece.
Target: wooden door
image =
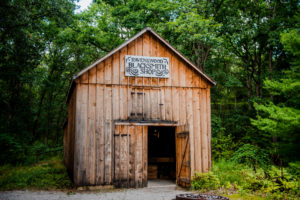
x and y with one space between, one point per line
130 156
183 169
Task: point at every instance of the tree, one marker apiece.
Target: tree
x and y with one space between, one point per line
26 30
281 118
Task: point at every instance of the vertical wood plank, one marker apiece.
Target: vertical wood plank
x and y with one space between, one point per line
116 68
147 102
182 73
115 102
100 73
114 116
175 104
84 78
182 106
139 52
117 138
131 49
123 103
169 54
92 75
132 161
175 70
190 122
108 134
108 70
204 130
161 52
123 78
139 103
197 139
138 156
162 106
145 155
124 156
188 76
154 53
100 142
146 52
178 152
154 104
80 136
73 129
168 103
91 156
208 106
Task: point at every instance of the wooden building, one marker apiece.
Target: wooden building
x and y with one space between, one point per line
140 112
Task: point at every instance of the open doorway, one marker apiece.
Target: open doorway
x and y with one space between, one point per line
161 153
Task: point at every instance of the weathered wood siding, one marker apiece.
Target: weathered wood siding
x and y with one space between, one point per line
130 156
69 135
105 95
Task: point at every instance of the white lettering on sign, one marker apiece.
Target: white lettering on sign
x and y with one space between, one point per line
143 66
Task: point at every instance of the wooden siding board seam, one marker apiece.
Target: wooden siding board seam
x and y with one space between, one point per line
87 136
189 117
103 123
112 138
209 125
143 83
95 133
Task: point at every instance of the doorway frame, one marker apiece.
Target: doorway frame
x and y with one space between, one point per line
154 123
175 156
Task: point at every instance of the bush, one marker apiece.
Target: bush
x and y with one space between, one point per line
204 182
294 168
222 146
252 156
232 176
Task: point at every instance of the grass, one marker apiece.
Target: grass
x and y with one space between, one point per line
235 181
238 181
46 175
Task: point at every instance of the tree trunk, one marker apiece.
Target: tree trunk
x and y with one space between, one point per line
249 87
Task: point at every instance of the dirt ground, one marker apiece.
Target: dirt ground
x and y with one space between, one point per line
156 190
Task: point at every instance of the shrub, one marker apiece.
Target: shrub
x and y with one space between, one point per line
252 156
241 178
294 168
205 181
222 146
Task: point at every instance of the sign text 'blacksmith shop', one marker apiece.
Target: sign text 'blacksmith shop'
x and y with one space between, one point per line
143 66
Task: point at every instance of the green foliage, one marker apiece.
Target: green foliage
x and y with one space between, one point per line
229 176
206 181
294 168
252 156
238 43
222 146
43 175
11 149
281 117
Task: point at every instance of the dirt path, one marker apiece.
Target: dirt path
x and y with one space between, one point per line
156 190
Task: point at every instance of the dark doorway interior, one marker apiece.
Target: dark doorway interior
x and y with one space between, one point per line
161 152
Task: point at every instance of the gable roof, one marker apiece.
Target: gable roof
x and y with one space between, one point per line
210 80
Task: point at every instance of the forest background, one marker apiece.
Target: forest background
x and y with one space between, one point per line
250 48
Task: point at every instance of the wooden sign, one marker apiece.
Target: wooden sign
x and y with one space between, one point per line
144 66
